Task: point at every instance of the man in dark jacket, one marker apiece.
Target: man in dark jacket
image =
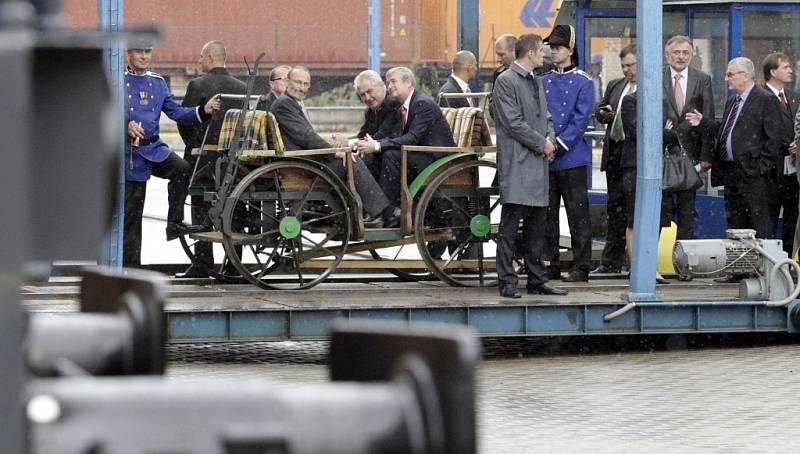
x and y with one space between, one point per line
277 85
778 76
465 67
609 113
298 134
749 140
216 80
380 115
421 123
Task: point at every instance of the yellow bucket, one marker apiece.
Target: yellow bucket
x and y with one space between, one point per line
666 242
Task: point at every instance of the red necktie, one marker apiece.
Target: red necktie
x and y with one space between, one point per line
784 103
403 113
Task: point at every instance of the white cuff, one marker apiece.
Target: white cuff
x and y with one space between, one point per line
352 143
377 146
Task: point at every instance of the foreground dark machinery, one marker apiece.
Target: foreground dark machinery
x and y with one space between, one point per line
119 331
396 390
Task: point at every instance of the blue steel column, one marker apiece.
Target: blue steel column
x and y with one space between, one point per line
469 20
111 14
648 152
374 36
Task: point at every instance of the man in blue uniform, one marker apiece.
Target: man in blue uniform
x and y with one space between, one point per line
146 96
570 101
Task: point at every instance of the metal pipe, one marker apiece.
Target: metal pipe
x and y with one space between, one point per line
618 312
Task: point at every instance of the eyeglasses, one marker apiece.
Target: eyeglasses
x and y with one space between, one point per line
729 75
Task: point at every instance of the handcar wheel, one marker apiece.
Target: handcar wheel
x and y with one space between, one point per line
400 252
456 225
297 217
224 272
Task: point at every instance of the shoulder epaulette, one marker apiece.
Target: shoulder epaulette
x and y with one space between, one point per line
157 75
584 74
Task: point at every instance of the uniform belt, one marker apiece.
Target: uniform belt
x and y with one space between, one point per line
153 139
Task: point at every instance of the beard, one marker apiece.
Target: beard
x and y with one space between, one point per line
295 94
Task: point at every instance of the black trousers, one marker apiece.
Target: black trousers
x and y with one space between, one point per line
786 197
532 242
177 171
684 201
570 184
390 171
614 251
747 203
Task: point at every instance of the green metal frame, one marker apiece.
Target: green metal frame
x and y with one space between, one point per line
423 176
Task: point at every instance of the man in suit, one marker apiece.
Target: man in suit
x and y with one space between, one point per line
778 76
380 116
420 123
215 80
686 89
465 67
608 113
277 85
523 153
570 101
749 140
298 134
504 50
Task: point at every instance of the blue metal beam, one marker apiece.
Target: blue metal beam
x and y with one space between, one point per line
111 16
374 36
649 148
494 321
469 19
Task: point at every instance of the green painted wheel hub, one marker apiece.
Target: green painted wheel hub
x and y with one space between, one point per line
480 225
290 227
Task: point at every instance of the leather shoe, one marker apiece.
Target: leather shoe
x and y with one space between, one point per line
729 279
509 291
192 272
576 276
393 220
178 228
546 289
552 273
373 222
605 269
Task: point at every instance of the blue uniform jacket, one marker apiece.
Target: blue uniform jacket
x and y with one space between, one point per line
145 98
570 100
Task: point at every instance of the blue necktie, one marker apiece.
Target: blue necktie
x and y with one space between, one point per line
728 154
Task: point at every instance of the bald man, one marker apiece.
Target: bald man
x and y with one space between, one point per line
465 67
278 81
215 80
504 50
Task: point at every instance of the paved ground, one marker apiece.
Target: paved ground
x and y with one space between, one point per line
712 400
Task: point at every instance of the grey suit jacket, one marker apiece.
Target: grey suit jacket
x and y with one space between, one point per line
296 131
699 97
519 109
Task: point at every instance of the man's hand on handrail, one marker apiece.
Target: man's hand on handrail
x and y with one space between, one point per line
367 145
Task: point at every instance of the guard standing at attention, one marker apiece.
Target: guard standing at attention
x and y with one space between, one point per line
570 101
146 96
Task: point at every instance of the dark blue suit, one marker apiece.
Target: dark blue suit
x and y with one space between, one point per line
425 126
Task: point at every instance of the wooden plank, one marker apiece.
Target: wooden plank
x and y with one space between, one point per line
488 264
